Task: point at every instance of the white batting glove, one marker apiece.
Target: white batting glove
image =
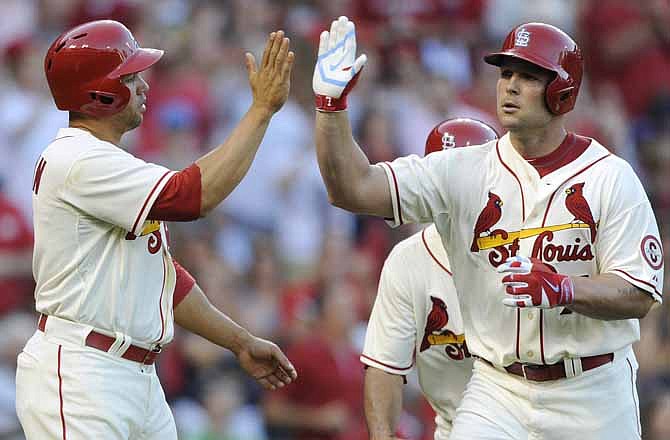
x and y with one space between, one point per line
337 67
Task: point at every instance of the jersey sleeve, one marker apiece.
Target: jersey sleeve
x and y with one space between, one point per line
417 185
114 186
390 338
628 241
183 285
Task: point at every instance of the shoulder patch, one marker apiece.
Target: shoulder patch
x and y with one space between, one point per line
652 251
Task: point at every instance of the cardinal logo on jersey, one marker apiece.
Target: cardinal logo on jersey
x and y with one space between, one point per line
153 228
548 246
489 216
435 332
579 207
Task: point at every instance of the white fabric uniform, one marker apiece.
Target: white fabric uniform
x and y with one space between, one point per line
416 319
100 265
452 189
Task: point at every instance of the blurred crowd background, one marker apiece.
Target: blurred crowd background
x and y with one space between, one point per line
276 256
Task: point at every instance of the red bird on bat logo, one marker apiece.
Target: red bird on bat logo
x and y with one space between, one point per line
437 319
579 207
489 216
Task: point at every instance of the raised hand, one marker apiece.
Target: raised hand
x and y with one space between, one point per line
266 363
270 82
531 283
337 67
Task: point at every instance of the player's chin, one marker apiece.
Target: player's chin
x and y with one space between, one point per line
136 121
509 122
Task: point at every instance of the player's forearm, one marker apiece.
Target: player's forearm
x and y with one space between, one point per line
197 315
383 402
223 168
344 166
609 297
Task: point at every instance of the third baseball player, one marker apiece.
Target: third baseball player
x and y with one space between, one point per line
416 318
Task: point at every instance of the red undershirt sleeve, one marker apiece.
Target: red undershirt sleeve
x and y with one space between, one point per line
180 199
185 283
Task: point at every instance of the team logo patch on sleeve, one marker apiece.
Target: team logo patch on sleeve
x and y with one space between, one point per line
652 251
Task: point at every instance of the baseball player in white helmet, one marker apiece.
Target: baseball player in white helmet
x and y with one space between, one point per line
108 291
416 319
552 240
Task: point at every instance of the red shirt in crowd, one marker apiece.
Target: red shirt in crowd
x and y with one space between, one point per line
327 376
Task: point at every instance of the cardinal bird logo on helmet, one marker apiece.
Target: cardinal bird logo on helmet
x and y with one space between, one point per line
579 207
489 216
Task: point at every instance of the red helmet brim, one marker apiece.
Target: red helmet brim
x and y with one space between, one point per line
141 60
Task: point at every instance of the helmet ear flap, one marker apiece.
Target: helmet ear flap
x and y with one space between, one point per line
560 96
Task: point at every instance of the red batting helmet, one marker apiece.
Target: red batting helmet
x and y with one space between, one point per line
458 132
552 49
84 67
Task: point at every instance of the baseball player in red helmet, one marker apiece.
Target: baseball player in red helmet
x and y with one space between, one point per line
416 320
108 291
552 240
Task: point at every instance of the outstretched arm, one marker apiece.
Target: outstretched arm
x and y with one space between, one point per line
352 183
261 359
222 169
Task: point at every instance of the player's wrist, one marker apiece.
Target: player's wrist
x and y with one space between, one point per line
328 104
567 291
242 340
261 111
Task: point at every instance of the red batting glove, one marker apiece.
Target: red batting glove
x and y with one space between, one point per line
531 283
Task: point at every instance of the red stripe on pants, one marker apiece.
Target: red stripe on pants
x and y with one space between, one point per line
60 394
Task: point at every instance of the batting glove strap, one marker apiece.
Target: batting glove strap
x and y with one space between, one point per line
329 104
532 283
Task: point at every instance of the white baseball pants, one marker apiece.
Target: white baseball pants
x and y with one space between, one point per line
67 391
599 404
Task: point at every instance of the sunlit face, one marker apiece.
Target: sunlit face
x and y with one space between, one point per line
131 116
520 95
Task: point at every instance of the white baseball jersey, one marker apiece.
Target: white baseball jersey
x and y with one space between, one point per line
97 261
588 217
416 319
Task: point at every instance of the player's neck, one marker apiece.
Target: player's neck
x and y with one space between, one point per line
103 130
538 142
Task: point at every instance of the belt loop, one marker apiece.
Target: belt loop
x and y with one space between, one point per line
120 345
569 365
577 365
